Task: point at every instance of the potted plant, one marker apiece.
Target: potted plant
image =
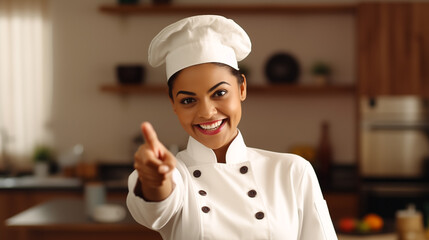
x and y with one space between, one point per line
321 72
42 157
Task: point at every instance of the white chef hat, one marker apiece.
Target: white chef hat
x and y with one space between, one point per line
199 39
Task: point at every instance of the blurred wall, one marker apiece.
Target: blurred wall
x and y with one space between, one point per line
89 44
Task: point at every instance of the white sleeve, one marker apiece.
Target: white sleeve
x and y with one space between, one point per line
315 221
155 215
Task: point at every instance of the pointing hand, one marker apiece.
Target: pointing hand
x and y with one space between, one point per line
153 162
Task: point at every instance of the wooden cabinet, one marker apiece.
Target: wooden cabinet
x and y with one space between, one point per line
342 205
421 12
393 42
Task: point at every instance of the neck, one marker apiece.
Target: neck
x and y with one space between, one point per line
221 154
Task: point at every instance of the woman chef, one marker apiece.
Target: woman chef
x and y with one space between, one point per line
218 188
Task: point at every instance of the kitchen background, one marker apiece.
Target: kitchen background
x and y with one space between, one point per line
88 44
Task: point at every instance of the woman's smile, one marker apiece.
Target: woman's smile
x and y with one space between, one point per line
211 128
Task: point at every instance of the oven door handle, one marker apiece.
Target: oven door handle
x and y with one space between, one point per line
397 126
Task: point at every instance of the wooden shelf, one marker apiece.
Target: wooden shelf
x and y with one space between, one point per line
134 89
274 89
230 8
281 89
308 90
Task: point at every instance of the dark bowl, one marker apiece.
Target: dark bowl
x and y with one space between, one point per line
282 68
130 74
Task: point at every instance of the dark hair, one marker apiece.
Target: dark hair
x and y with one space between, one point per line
236 73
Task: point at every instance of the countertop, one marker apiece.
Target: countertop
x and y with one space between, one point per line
387 236
54 182
66 219
34 182
114 177
65 213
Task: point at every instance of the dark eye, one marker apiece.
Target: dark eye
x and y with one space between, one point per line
220 93
186 101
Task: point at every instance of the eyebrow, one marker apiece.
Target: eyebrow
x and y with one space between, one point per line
217 85
194 94
186 93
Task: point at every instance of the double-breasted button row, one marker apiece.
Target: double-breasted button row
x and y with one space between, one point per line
252 193
197 174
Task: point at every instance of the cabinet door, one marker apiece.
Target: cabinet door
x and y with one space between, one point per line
388 49
421 10
342 205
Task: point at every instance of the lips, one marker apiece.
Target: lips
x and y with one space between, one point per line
211 128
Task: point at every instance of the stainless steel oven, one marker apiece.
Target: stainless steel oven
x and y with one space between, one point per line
394 152
394 137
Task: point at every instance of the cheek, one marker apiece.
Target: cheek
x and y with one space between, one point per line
184 116
234 110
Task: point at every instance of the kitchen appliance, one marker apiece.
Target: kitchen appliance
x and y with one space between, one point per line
394 137
394 148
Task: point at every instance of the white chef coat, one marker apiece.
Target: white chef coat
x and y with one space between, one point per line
256 194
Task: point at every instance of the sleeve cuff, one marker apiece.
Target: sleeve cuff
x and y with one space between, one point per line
155 215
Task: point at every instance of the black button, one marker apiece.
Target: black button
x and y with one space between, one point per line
205 209
259 215
251 193
244 169
197 173
202 193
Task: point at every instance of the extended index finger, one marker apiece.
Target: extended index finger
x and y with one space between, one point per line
149 134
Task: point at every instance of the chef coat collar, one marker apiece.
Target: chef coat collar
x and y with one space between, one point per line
200 154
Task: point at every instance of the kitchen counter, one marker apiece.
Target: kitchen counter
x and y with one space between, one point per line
55 182
387 236
66 219
34 182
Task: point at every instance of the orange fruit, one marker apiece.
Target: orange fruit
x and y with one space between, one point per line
374 221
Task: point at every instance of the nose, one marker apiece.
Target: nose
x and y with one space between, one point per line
207 109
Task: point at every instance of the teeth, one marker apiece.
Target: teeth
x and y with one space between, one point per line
211 126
